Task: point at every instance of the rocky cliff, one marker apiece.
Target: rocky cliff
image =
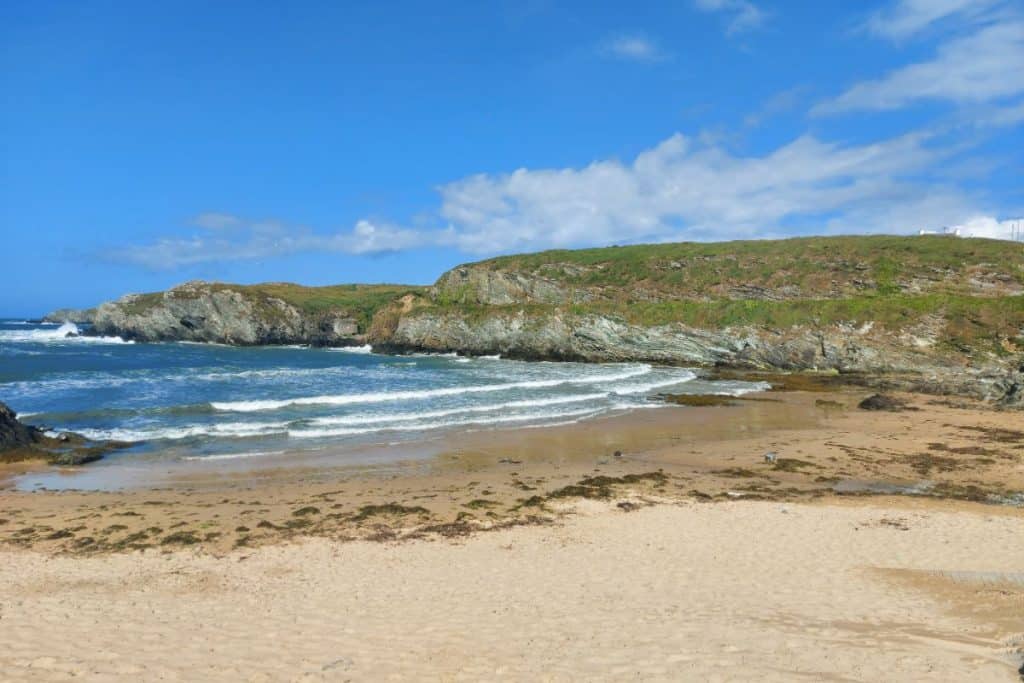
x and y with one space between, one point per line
80 316
914 356
246 315
947 311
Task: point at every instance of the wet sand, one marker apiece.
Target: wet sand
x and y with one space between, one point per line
540 554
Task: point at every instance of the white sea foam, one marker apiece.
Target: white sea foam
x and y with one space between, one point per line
59 335
407 417
426 426
268 373
234 456
643 388
385 396
231 429
366 348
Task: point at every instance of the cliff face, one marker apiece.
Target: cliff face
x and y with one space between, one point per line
204 312
948 311
494 287
911 358
74 315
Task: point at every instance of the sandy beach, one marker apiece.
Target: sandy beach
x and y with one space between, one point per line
543 555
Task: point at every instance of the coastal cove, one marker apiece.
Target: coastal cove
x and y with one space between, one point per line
181 403
683 437
544 342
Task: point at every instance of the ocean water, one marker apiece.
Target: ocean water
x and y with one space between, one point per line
201 401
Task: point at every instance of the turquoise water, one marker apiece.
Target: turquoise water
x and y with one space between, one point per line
199 401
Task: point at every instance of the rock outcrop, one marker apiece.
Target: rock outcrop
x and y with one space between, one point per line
79 316
19 442
905 359
210 312
14 434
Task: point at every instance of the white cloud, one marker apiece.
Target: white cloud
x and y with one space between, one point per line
743 14
987 226
679 189
215 221
984 66
904 18
779 103
634 48
261 240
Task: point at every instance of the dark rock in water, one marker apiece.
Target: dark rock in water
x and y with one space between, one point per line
882 402
19 442
14 434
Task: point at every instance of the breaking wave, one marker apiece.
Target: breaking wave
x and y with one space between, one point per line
65 334
385 396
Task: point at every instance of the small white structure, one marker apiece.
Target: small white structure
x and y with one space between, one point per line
946 231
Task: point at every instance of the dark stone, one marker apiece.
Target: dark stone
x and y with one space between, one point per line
76 457
882 402
20 442
14 434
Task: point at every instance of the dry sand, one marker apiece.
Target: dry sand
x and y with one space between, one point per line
687 558
734 591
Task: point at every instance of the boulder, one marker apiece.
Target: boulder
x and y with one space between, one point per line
19 441
882 402
14 434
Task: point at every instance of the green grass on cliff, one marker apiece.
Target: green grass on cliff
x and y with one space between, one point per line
968 290
814 264
359 301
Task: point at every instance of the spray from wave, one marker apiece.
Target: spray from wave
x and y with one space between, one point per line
67 333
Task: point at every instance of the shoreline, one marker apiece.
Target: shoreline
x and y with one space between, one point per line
686 557
472 481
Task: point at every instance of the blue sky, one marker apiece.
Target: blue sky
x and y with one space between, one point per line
144 144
